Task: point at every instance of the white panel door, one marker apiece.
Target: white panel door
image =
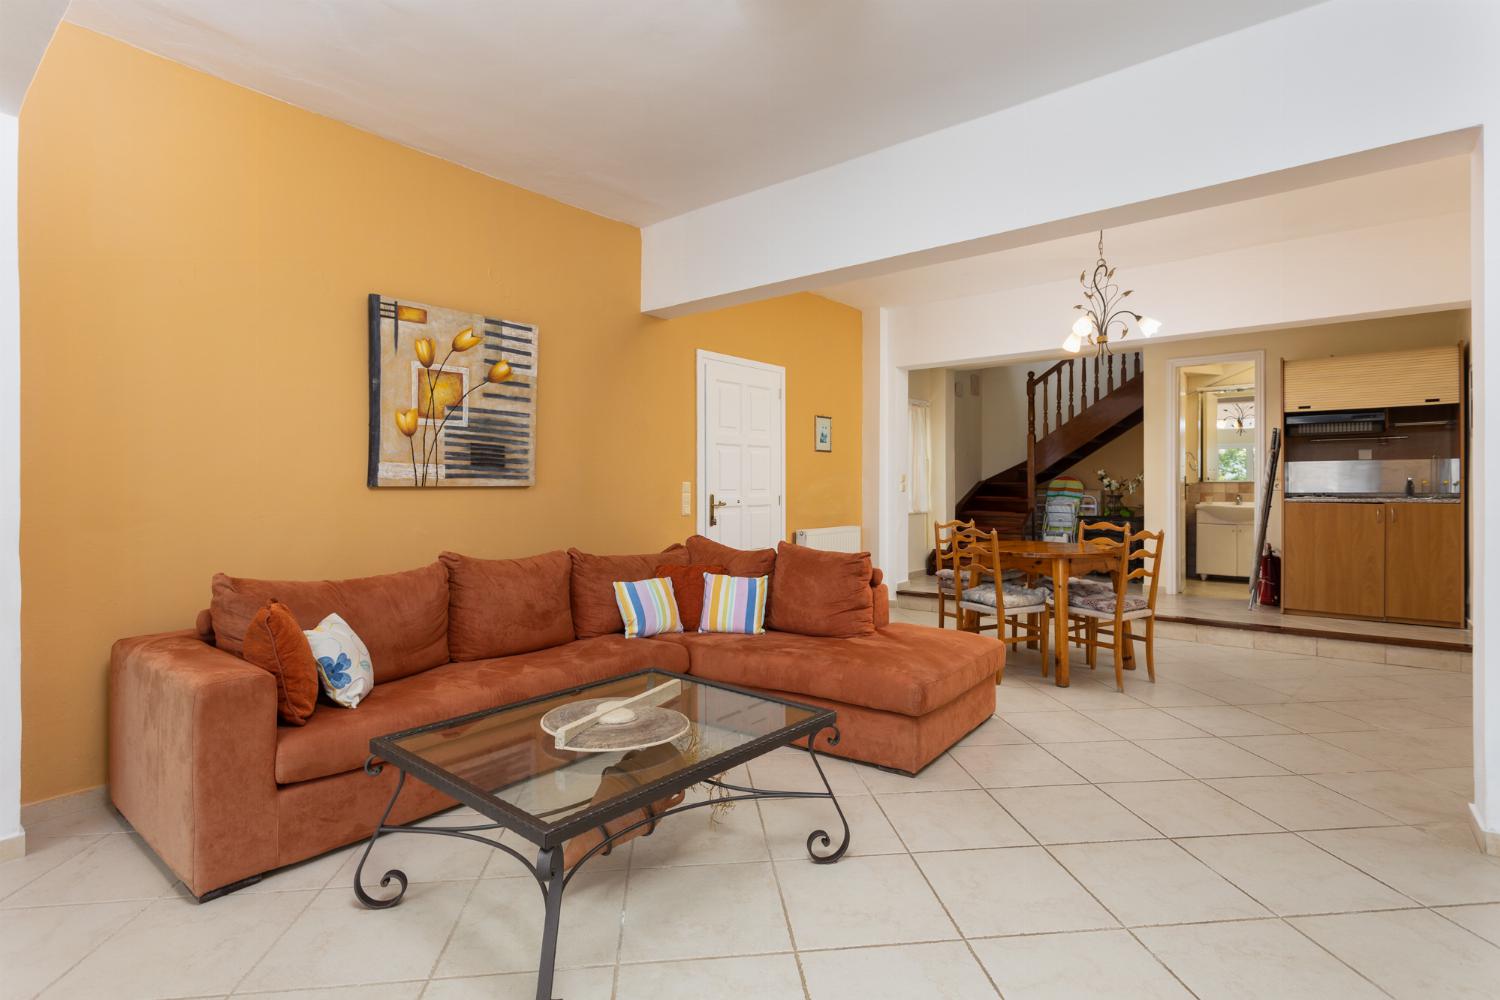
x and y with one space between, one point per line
742 450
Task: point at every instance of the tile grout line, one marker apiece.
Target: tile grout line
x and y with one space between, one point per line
984 970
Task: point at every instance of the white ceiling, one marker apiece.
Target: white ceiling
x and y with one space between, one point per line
1436 187
644 109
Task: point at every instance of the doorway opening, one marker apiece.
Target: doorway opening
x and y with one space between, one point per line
1218 452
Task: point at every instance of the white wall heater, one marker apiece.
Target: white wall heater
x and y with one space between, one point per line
844 538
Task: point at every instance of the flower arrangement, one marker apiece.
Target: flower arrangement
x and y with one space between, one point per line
439 404
1114 490
1110 484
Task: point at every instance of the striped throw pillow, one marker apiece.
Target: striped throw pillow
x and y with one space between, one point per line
648 606
734 604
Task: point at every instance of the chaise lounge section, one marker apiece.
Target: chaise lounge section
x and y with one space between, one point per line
202 770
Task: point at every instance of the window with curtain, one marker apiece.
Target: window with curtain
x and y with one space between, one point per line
919 472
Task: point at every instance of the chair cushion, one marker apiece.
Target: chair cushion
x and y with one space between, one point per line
820 593
402 617
337 741
500 607
908 669
1015 595
736 562
593 586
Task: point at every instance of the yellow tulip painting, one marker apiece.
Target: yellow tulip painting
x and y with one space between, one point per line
452 397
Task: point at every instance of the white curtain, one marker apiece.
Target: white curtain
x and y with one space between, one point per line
919 474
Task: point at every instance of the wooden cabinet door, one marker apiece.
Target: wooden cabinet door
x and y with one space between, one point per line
1424 562
1395 378
1333 561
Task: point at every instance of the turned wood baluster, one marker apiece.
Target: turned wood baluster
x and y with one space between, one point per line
1096 378
1109 370
1072 384
1059 422
1044 407
1084 382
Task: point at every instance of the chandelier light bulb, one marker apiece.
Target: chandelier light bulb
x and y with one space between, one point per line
1074 343
1149 326
1083 326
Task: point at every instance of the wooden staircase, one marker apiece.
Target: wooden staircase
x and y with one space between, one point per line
1058 435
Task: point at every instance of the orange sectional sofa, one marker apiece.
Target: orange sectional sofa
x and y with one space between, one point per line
201 768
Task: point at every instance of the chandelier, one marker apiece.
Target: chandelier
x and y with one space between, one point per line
1103 313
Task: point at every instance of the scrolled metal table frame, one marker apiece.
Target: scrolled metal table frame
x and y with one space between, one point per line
552 878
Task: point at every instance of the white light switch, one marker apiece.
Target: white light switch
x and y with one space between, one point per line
687 498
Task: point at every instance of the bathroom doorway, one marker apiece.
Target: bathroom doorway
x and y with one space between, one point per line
1219 452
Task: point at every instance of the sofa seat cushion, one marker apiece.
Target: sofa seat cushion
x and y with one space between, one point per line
401 617
336 740
907 669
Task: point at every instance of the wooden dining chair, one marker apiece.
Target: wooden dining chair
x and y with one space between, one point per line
980 592
947 545
1105 619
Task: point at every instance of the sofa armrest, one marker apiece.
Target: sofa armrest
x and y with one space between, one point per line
192 752
882 600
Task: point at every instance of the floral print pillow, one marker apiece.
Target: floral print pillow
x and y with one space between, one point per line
343 661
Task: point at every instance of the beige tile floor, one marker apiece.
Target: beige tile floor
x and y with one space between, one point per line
1257 824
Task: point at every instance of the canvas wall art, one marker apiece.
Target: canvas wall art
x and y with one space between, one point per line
452 397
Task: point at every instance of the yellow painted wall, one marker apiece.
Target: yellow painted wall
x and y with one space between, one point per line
195 259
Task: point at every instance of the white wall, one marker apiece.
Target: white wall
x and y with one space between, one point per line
10 501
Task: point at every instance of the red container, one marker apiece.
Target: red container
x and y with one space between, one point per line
1268 592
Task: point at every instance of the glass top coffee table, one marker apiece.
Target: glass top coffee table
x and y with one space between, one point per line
572 804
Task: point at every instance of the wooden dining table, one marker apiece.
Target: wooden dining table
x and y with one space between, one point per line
1058 560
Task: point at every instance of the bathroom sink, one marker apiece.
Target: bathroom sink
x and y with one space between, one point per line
1226 512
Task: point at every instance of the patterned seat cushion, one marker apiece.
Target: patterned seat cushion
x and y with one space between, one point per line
1103 602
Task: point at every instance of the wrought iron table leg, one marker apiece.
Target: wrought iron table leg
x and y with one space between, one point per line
821 836
372 768
549 872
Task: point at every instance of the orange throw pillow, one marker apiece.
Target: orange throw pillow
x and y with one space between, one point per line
821 593
274 641
687 587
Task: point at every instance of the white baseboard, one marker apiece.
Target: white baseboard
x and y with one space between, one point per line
13 847
1488 840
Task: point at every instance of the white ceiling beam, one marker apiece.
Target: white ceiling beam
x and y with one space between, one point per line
1413 265
1334 90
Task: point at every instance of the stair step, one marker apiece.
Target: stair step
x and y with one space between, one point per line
993 503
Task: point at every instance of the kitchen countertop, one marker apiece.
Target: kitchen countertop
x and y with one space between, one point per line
1397 498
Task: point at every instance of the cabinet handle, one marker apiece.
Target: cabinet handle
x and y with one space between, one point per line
1393 515
1377 515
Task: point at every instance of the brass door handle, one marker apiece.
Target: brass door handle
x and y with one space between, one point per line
713 506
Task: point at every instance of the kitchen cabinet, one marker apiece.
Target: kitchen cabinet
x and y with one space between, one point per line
1424 562
1401 561
1425 377
1333 559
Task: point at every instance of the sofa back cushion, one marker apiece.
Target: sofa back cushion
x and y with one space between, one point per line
500 607
687 586
402 617
821 593
736 562
593 586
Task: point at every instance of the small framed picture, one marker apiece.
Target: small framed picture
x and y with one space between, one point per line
822 433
